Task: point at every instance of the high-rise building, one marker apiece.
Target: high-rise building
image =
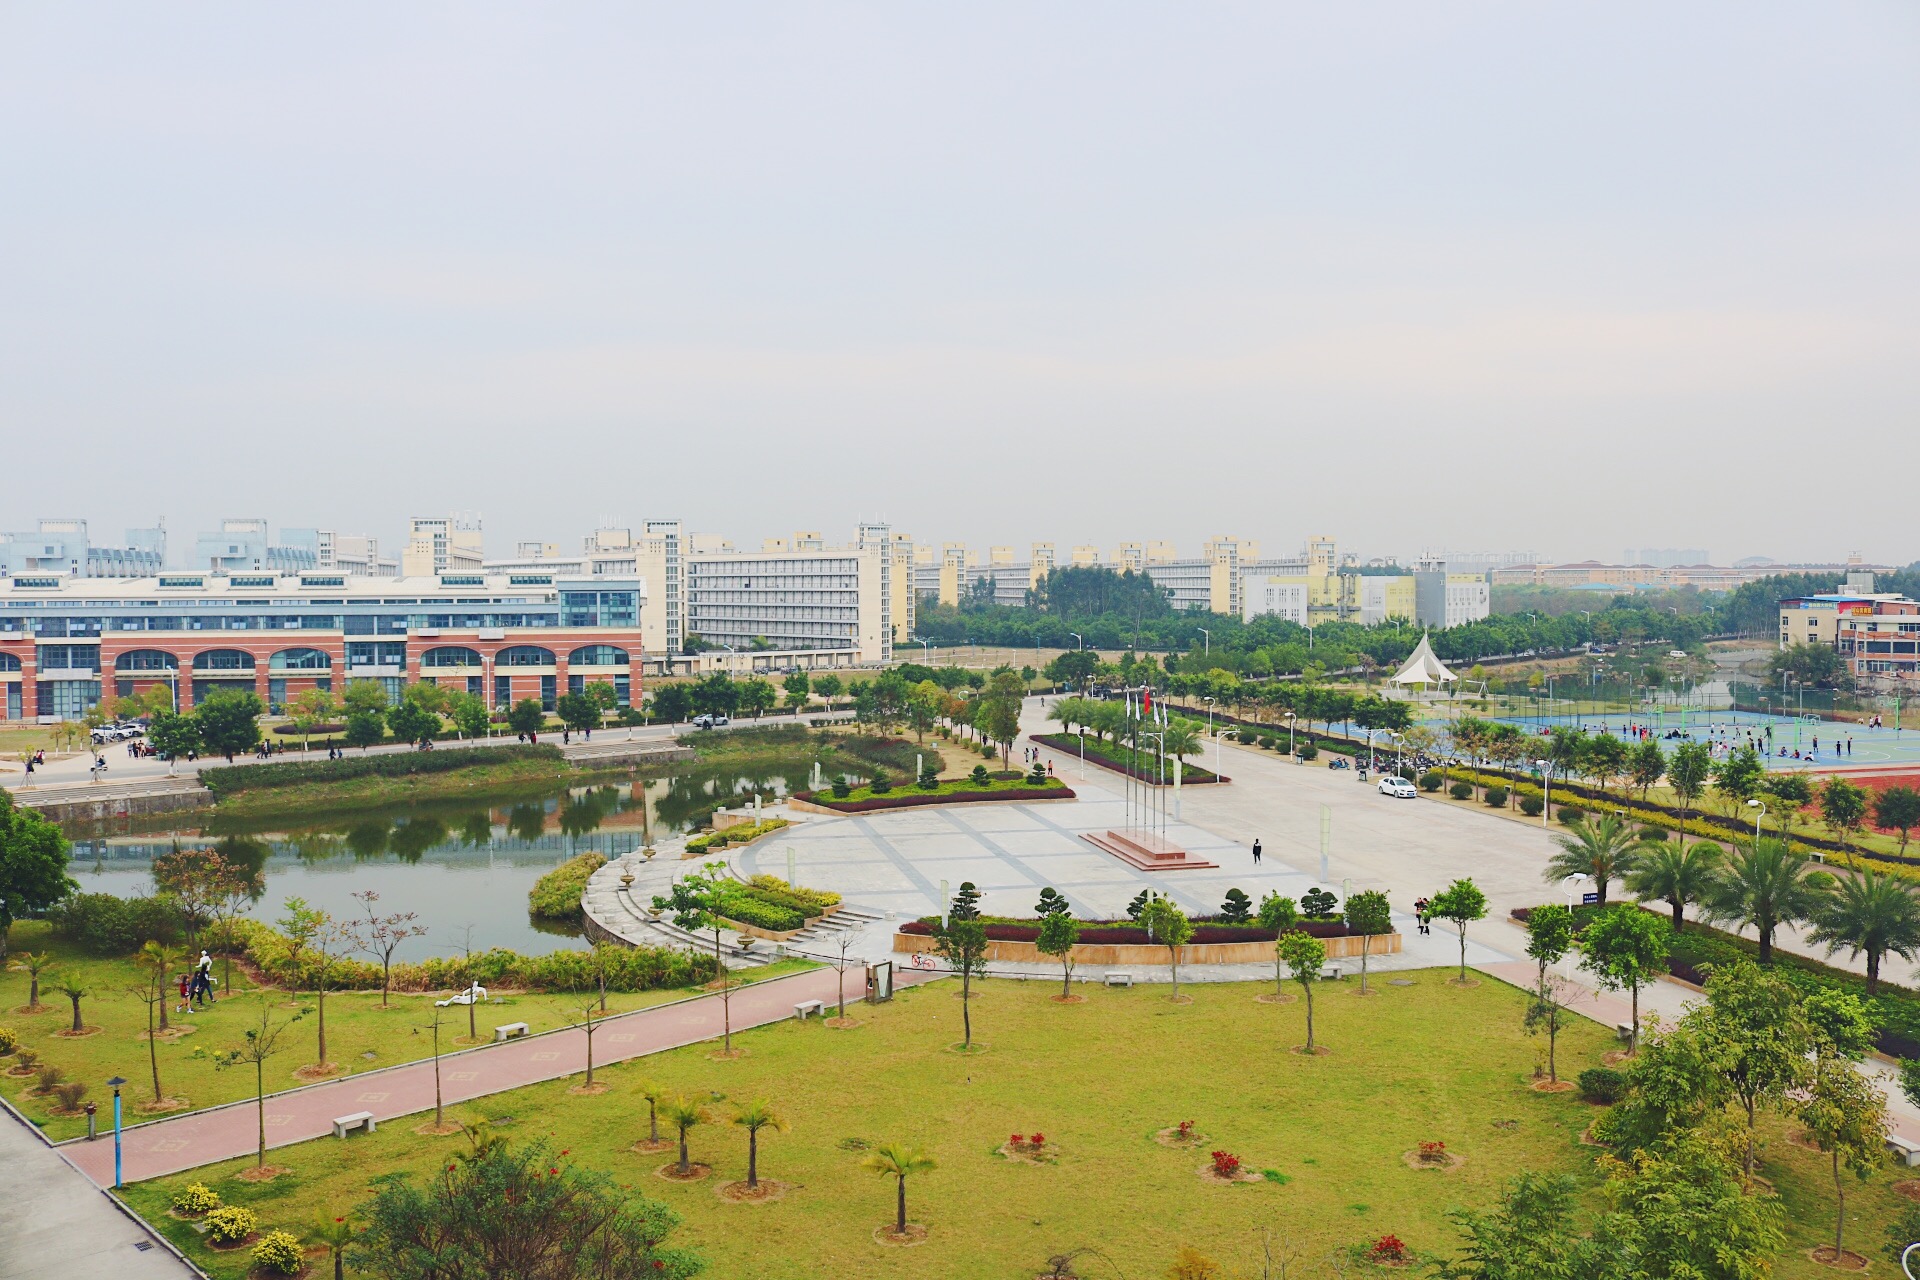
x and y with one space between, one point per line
355 553
246 546
442 544
63 547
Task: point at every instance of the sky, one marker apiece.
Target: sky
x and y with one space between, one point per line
1475 276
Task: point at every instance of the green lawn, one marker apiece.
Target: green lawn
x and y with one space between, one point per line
361 1036
1429 1061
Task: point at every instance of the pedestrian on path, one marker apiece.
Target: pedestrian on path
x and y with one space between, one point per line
1256 851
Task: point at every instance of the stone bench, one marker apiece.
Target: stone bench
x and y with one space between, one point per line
1624 1030
1332 973
358 1120
1118 978
509 1031
1902 1150
807 1008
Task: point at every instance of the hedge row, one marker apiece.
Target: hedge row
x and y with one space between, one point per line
734 835
1127 933
556 895
911 799
230 779
812 901
1190 775
628 968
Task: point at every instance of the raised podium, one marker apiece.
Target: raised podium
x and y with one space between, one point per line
1146 850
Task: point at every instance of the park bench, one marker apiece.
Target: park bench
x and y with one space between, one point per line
1332 973
1118 978
1625 1031
509 1031
807 1008
1903 1151
358 1120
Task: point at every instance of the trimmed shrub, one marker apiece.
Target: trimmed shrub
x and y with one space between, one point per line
1602 1084
1460 791
279 1253
1496 797
880 785
249 777
556 895
195 1199
49 1079
230 1224
841 787
746 908
70 1092
1569 815
813 901
9 1041
979 776
1266 743
1532 805
1309 752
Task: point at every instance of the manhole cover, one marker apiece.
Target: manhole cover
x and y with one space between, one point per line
1399 982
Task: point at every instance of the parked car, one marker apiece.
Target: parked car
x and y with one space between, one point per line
710 722
1398 787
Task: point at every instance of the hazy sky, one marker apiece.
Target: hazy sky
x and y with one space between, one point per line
1567 277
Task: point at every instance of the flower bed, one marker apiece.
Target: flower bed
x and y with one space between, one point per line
1108 756
959 791
1127 933
556 895
741 834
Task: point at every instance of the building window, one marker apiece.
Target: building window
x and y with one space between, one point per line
524 655
223 660
547 698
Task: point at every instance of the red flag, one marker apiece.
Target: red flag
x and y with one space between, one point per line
1146 700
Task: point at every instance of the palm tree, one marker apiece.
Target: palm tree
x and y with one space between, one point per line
1768 885
683 1114
336 1236
1181 740
653 1091
1674 873
35 967
753 1117
897 1161
70 988
1872 914
1602 849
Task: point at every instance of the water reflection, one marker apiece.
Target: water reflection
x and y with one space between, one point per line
457 863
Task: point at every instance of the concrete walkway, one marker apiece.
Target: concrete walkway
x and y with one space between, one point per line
56 1223
222 1133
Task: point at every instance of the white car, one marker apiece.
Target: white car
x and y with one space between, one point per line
1397 787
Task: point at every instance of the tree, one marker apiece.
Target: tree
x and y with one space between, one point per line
1058 932
1605 758
1566 748
1074 667
1846 1115
1463 903
173 736
1765 886
1814 665
1169 926
963 944
1687 773
229 721
72 988
1794 793
672 703
1843 807
1872 914
683 1114
584 1014
1303 954
576 711
1368 913
604 698
756 697
828 686
1549 937
1625 948
799 688
520 1211
1000 709
753 1117
325 944
240 883
380 936
36 966
469 714
310 709
1674 873
527 717
366 727
1687 1216
33 864
411 722
1529 1236
1739 777
1602 849
195 879
1897 809
1756 1026
155 990
258 1044
655 1093
898 1161
923 707
1645 765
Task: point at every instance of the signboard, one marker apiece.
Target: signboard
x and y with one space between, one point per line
1589 899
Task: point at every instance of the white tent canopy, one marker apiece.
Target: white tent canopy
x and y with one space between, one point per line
1422 668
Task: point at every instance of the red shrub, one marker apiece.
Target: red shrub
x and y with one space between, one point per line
1388 1248
1225 1164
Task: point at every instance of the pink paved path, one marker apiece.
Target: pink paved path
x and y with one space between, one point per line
221 1133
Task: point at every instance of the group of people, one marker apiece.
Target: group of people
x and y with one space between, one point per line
196 987
1031 756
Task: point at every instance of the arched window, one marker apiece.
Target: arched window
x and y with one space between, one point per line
223 660
8 662
451 655
524 655
300 660
146 660
597 655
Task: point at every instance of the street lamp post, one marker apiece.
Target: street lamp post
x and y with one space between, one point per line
1216 741
116 1082
1759 812
1546 789
1206 644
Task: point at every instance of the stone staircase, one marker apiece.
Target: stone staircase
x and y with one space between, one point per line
824 934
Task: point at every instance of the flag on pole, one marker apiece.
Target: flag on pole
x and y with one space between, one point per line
1146 700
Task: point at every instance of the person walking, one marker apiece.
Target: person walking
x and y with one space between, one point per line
1256 851
203 978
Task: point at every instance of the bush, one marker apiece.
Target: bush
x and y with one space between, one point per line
279 1253
745 907
110 926
1266 742
1309 752
1431 780
229 779
841 787
49 1079
979 777
9 1041
70 1093
230 1224
880 785
195 1199
1569 815
1460 791
1602 1084
1532 805
813 901
1496 797
556 895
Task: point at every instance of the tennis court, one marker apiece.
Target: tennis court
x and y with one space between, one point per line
1785 742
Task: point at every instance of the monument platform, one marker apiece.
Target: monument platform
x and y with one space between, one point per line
1146 850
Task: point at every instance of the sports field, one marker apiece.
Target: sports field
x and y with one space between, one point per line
1786 742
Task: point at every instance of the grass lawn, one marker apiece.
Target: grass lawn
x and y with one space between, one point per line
1099 1078
494 783
360 1035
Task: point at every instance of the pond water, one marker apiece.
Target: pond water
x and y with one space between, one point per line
463 866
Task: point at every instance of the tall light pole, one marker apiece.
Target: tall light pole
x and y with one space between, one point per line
1760 811
1546 789
116 1082
1206 648
1216 741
